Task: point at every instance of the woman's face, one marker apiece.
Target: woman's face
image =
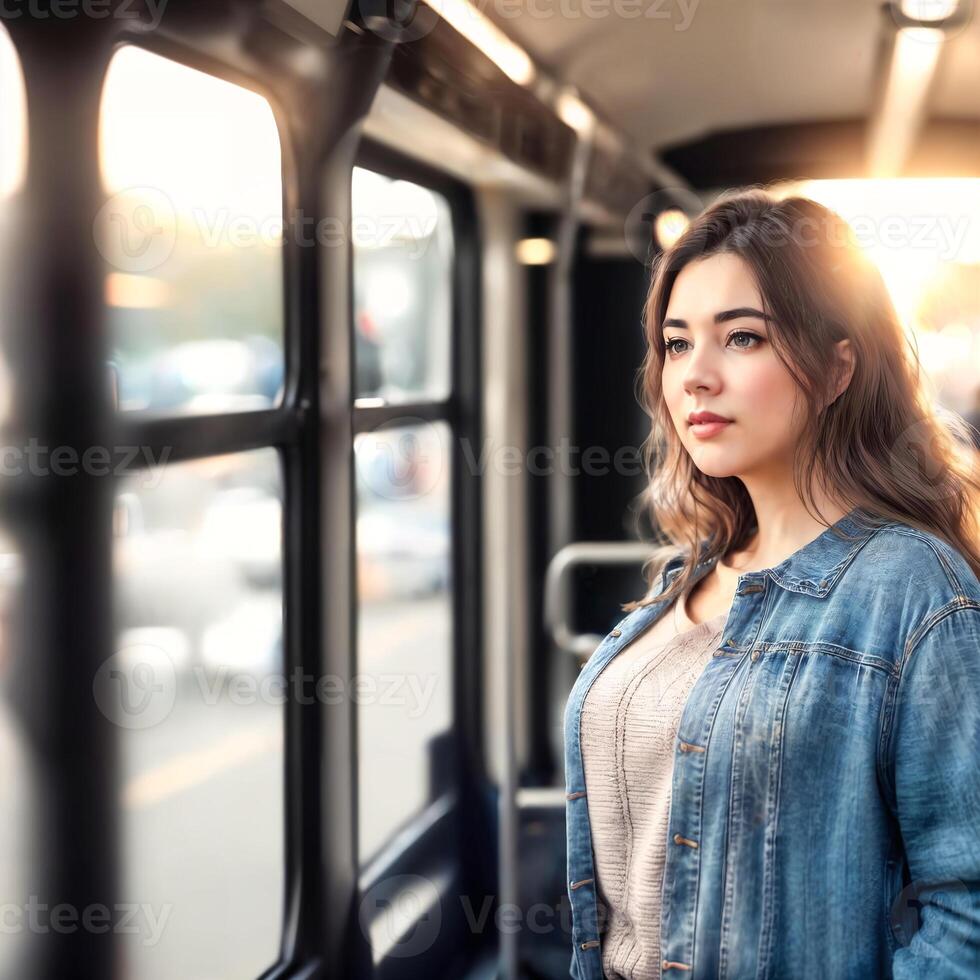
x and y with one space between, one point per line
728 368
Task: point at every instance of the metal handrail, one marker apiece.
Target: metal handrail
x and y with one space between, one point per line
557 594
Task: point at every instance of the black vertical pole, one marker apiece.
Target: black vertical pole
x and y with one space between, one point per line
54 342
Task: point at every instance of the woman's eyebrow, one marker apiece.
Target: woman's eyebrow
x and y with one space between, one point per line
723 317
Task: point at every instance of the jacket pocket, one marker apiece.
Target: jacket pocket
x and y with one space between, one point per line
894 904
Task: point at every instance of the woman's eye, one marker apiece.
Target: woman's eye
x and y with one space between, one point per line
671 349
742 333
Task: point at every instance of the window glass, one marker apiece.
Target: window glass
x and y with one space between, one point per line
192 237
196 686
923 236
404 651
403 260
15 820
13 119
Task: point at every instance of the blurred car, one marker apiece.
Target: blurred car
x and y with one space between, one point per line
248 640
402 555
204 376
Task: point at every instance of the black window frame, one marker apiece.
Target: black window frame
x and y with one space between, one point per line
56 339
280 428
452 839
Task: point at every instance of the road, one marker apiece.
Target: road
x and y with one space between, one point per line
202 800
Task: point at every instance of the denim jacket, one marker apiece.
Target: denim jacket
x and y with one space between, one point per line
825 801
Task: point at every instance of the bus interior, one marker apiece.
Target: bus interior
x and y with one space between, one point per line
320 323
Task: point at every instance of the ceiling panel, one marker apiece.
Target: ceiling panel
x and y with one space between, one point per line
687 67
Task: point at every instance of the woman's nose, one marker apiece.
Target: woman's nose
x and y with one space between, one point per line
700 371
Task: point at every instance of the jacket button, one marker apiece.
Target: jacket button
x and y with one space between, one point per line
755 654
616 633
823 584
730 641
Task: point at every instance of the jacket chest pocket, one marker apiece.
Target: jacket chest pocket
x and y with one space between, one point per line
791 729
830 708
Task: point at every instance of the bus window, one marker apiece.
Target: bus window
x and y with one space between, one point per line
198 585
13 129
15 856
14 801
192 237
402 241
405 635
13 165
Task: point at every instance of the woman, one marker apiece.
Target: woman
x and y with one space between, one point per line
773 762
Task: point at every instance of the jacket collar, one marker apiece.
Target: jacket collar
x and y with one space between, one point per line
813 569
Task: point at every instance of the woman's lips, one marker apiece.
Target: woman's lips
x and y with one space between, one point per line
705 430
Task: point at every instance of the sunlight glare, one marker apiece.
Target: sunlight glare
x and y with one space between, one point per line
923 234
13 119
206 143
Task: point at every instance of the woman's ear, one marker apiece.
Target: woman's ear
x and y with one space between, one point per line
844 367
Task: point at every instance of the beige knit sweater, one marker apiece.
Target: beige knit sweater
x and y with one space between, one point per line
630 720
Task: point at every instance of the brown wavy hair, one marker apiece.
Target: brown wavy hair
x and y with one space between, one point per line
881 445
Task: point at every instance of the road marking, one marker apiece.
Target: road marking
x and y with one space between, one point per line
190 769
